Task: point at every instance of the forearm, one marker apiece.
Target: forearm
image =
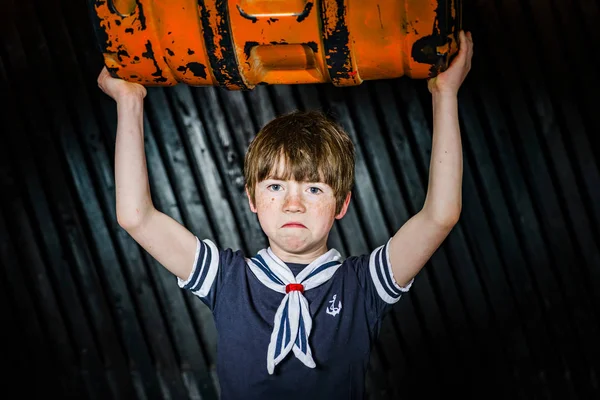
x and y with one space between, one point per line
444 195
133 201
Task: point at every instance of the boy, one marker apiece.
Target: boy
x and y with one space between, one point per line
295 321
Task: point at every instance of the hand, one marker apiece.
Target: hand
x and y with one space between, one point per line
118 88
450 80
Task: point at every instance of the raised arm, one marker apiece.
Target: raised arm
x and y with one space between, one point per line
165 239
416 241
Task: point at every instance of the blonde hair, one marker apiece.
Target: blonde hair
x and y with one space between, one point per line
313 147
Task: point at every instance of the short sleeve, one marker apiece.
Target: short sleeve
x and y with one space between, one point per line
375 274
202 279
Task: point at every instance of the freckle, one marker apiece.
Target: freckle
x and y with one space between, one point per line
272 198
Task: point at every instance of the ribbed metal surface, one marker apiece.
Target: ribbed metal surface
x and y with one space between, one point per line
507 308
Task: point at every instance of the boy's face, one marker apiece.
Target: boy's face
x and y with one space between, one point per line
296 216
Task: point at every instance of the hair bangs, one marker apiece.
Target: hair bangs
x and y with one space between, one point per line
295 163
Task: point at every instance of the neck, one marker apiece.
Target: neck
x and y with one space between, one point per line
306 257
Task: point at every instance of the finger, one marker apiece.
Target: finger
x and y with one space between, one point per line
470 45
102 74
471 48
466 41
463 48
469 38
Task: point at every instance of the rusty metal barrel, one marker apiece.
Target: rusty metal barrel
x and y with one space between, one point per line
238 44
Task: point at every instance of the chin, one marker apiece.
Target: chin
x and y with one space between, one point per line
293 245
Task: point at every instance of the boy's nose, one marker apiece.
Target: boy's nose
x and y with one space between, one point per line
293 203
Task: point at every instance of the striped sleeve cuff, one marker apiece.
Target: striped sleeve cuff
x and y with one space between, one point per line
383 277
204 271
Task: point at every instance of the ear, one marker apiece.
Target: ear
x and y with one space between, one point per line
252 207
342 212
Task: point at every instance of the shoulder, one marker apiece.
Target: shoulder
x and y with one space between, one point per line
374 271
355 268
229 256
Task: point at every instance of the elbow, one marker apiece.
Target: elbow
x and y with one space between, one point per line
130 221
445 218
451 219
131 215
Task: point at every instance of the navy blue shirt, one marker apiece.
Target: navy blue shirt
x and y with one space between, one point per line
346 313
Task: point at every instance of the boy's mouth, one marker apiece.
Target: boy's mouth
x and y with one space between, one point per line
293 225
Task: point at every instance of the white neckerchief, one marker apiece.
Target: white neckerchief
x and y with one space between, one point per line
293 322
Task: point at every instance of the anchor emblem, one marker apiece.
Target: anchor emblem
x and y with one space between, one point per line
332 309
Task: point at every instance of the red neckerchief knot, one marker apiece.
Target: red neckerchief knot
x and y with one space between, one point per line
294 286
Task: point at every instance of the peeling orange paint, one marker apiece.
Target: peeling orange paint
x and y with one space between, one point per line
239 44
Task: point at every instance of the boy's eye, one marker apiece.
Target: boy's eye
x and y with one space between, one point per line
314 190
274 187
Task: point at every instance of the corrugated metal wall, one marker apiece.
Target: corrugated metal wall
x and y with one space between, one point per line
507 308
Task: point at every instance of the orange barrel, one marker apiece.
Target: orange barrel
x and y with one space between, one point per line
239 44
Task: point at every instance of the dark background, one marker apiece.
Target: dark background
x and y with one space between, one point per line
507 308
